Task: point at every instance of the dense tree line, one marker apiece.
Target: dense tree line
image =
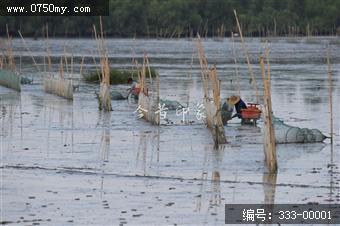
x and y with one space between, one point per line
174 18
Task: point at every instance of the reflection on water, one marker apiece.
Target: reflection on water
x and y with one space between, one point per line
334 172
148 147
269 187
210 204
105 137
58 117
104 120
74 138
10 103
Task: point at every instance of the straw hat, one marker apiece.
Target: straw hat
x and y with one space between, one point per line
233 100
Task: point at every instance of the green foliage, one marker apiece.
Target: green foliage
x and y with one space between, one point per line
173 18
117 76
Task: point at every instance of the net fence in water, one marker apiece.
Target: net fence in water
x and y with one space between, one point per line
10 79
290 134
59 86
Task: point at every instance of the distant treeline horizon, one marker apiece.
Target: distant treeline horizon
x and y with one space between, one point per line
186 18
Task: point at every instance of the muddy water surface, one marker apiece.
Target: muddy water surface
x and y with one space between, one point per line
66 163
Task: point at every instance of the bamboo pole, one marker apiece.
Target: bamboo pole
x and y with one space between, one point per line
269 135
65 55
330 84
329 69
61 68
252 77
189 76
235 64
97 67
203 64
20 63
148 64
99 51
71 75
44 62
272 133
213 109
158 119
104 93
47 49
11 64
23 40
81 66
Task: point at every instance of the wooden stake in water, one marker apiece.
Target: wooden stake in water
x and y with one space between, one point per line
104 92
23 41
329 67
211 85
48 52
235 65
269 135
11 64
81 66
252 77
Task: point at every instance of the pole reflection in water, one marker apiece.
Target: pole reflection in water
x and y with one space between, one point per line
148 139
331 166
105 137
211 162
9 103
105 118
59 115
269 187
204 177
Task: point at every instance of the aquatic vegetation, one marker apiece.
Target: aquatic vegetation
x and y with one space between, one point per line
117 76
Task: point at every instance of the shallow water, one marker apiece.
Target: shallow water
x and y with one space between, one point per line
65 162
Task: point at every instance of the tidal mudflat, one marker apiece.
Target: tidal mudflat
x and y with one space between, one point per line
64 162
